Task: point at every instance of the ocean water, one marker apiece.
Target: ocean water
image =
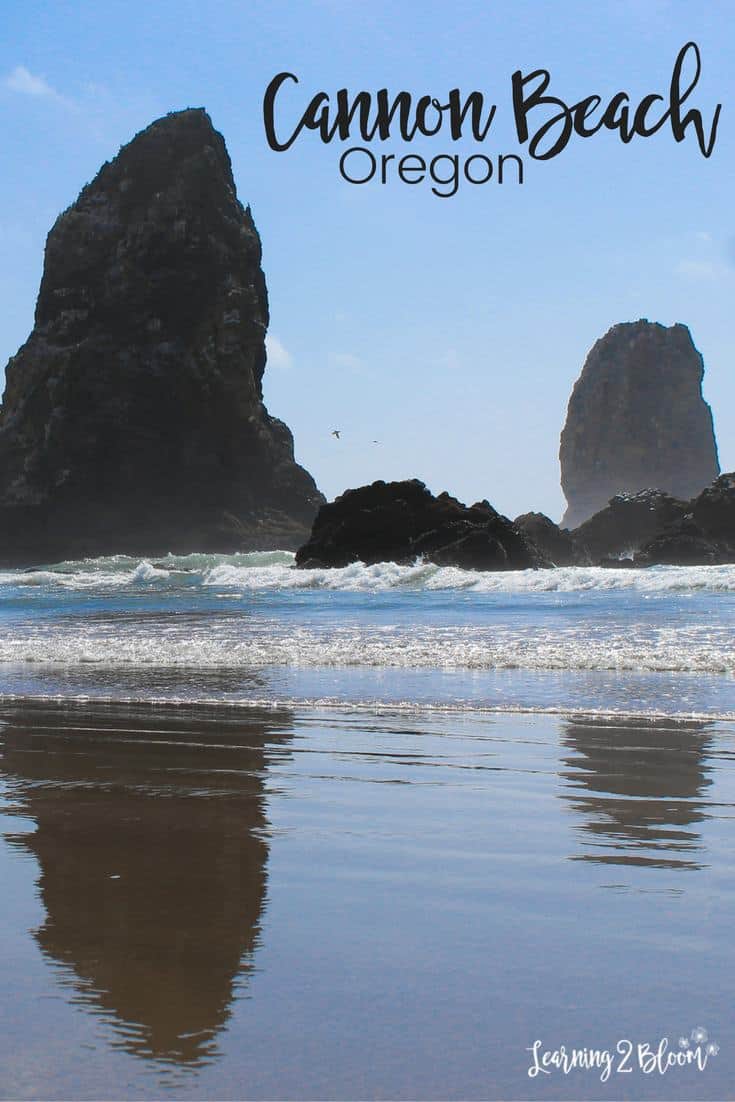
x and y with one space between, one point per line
380 832
253 629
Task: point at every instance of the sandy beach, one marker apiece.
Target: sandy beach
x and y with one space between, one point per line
235 902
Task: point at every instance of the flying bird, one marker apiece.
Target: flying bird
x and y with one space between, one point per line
335 432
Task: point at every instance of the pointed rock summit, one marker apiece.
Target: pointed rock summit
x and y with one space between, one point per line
133 417
637 420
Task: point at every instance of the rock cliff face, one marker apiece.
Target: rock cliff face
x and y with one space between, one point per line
714 509
705 534
133 417
403 521
557 544
636 419
629 521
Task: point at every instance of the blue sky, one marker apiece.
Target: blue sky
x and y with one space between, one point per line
450 330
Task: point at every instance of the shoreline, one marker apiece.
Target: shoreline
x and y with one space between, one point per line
380 708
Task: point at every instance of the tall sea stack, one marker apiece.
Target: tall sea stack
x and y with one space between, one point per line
133 417
637 419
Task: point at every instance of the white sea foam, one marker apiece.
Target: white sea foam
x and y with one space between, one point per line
186 642
385 576
275 570
123 571
203 612
146 572
311 706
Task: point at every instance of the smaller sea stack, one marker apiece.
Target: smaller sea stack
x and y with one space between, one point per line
637 419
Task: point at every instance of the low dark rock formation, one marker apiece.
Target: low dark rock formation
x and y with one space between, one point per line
628 522
637 418
133 417
704 535
557 544
403 521
714 509
684 546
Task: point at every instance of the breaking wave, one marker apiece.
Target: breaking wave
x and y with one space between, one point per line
245 627
275 570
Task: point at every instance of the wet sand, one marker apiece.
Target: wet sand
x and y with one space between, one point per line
243 903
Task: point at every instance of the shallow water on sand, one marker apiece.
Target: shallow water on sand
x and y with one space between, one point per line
205 902
251 629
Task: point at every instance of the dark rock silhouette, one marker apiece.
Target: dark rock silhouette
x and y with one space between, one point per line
133 418
714 509
402 521
628 522
704 535
557 544
684 546
637 418
150 836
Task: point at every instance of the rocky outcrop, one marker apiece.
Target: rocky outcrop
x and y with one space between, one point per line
133 417
555 543
704 535
403 521
637 418
685 545
628 522
714 509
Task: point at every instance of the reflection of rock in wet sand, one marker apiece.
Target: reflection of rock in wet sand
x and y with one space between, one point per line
153 865
639 788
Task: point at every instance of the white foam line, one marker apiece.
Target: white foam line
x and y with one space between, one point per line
378 707
275 570
180 644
